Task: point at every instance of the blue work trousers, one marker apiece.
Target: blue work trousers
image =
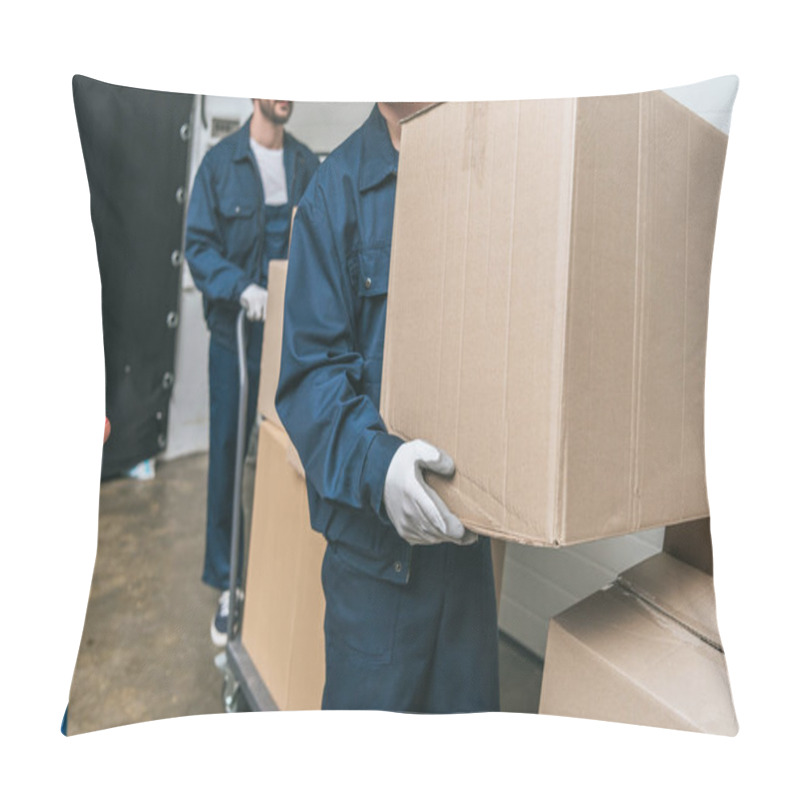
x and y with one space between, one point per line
426 646
223 380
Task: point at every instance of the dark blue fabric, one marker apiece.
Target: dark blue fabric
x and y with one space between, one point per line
429 646
231 236
226 223
223 381
278 221
406 629
64 721
334 319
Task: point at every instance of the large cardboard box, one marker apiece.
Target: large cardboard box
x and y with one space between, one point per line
284 608
646 651
547 310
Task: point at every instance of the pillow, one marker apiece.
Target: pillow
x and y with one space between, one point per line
549 279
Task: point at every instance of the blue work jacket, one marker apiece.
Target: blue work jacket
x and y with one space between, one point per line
334 319
226 223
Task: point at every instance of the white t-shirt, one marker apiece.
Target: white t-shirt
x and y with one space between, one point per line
273 175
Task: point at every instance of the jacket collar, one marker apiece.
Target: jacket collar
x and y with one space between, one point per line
378 156
242 151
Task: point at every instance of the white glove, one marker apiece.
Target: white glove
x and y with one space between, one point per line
416 511
254 301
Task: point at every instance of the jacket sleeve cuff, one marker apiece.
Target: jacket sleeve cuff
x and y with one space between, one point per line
376 464
241 284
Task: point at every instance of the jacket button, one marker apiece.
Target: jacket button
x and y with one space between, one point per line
238 209
398 567
368 283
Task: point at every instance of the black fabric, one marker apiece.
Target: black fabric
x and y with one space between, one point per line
136 162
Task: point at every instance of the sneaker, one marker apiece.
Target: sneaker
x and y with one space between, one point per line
219 625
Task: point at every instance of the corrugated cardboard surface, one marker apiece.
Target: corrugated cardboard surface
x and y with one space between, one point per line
547 310
615 656
273 337
282 627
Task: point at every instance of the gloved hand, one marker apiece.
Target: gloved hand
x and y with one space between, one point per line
254 301
416 511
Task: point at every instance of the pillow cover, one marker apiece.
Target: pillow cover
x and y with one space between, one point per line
549 277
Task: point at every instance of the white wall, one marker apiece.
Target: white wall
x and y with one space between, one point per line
540 582
323 126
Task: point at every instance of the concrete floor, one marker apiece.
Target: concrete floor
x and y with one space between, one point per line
146 652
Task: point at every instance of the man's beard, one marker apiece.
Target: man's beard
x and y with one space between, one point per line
269 112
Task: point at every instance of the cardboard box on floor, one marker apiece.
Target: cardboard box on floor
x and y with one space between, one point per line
282 627
547 310
645 650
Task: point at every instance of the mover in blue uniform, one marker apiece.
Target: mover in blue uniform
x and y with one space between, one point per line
411 621
238 220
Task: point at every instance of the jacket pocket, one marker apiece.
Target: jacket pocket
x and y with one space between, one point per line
240 225
232 209
360 611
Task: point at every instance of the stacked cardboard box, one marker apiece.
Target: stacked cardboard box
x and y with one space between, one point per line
547 310
646 650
